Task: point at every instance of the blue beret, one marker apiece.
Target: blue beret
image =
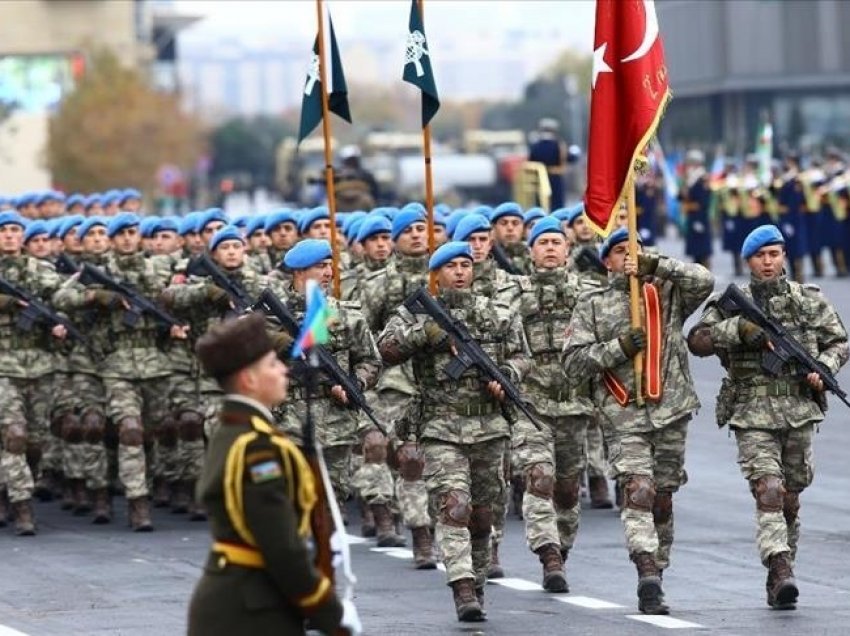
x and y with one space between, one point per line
573 213
147 226
227 233
405 219
240 221
470 224
759 237
166 224
121 222
440 219
111 196
50 195
443 208
75 199
374 224
10 217
415 206
209 215
256 222
341 219
544 225
69 223
454 219
351 229
36 228
484 210
53 226
130 193
350 219
279 217
307 253
92 200
387 211
508 208
448 252
88 224
532 214
615 238
311 217
189 223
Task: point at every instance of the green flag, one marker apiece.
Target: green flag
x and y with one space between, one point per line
417 64
311 103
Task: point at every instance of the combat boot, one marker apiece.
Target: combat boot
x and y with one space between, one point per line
24 521
47 484
181 496
4 508
102 507
466 602
161 493
782 589
599 497
197 512
423 549
495 571
554 579
650 594
387 538
67 496
140 514
367 521
80 494
517 493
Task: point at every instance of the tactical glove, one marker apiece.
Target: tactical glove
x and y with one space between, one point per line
436 337
751 334
647 264
8 304
633 342
218 297
282 342
106 298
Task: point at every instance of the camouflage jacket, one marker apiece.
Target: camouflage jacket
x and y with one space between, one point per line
260 262
491 280
749 397
462 411
519 256
130 351
353 279
354 348
26 353
592 346
546 307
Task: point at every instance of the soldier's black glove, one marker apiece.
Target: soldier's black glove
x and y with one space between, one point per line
282 342
633 342
647 264
751 334
218 297
436 337
106 298
8 304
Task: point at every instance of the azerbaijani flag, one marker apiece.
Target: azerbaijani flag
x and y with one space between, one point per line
314 329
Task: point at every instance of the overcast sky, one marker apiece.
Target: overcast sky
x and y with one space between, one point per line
387 19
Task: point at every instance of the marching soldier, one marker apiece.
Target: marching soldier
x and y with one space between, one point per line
260 492
507 222
773 417
463 429
282 229
375 237
646 442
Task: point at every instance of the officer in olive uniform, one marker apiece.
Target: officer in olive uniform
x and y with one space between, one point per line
259 491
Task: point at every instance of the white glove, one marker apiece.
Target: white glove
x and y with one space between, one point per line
350 618
698 227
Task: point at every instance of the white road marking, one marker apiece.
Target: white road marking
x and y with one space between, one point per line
396 553
441 567
353 539
587 602
8 631
667 622
517 584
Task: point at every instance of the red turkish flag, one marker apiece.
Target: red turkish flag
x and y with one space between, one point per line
629 91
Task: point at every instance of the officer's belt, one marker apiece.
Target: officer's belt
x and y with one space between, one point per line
776 388
223 554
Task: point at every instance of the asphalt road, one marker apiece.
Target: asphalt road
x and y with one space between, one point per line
78 579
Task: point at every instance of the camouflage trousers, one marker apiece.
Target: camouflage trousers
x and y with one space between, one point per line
786 454
51 452
464 482
657 459
552 462
500 507
597 464
83 454
338 463
137 407
24 411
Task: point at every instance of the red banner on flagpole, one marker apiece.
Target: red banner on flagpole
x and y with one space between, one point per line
629 91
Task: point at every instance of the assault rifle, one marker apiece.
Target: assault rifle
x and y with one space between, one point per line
468 352
36 311
139 305
270 304
785 348
587 260
66 265
203 265
503 260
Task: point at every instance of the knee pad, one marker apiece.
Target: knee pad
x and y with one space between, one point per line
791 506
15 439
662 508
480 522
72 429
130 431
769 493
455 509
566 492
410 462
190 426
540 481
166 433
375 448
94 426
639 493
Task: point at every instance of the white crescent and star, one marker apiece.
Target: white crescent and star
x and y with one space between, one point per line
649 36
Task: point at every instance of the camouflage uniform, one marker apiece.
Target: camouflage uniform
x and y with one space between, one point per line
463 429
773 417
519 256
552 460
646 444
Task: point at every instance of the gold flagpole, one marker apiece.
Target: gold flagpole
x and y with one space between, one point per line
634 285
429 183
329 168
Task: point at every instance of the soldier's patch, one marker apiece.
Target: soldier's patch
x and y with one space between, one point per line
258 456
266 471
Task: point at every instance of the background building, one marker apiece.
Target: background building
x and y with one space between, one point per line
735 62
